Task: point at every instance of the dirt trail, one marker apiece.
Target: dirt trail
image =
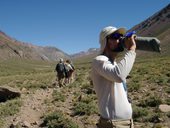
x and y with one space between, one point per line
67 106
33 108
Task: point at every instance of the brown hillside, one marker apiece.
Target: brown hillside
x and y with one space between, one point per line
158 25
11 48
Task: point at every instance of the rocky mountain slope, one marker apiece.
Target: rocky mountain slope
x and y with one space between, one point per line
11 48
85 53
157 25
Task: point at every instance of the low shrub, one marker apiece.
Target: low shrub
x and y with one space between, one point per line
153 118
133 86
83 108
58 96
139 113
10 108
151 101
57 120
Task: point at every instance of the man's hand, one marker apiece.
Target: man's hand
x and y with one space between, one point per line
130 43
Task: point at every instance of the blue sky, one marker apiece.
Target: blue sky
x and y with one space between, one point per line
71 25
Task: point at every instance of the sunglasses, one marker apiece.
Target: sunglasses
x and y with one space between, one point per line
115 36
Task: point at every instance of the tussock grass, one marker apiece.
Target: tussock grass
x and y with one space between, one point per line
58 120
25 74
9 108
59 96
86 105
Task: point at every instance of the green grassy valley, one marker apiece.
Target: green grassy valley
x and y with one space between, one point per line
75 105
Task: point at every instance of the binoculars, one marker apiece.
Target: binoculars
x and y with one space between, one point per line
142 43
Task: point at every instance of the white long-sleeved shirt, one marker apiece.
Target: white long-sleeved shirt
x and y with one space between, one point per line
107 79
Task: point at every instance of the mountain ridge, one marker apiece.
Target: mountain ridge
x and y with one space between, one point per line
12 48
157 25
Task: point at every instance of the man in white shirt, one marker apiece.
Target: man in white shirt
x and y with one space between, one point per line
109 77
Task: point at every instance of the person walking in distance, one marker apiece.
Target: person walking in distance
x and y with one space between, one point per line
109 78
60 69
72 71
69 70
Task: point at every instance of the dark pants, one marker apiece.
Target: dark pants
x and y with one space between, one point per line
60 78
